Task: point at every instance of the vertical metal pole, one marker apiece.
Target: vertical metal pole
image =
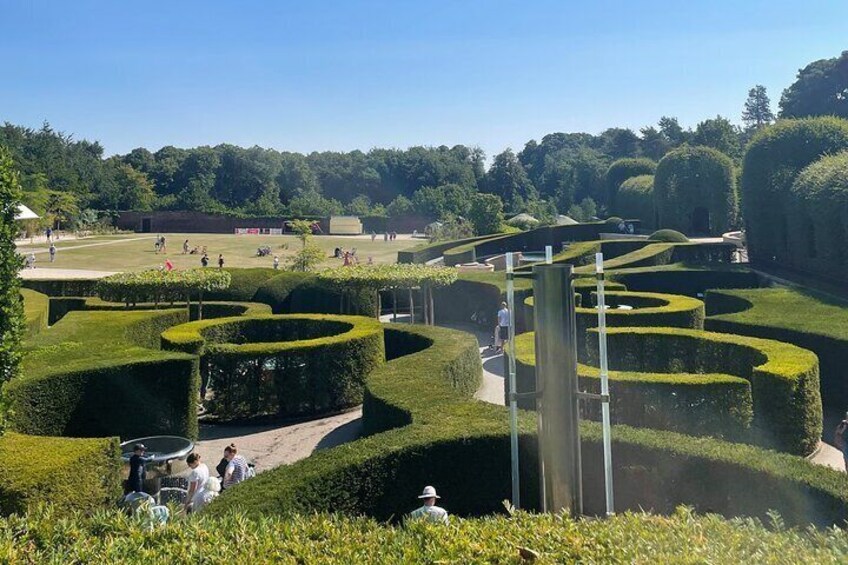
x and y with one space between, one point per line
549 254
556 389
605 402
513 402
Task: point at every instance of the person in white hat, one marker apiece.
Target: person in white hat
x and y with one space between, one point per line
430 511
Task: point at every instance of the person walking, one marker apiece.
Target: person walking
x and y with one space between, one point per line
430 511
220 260
168 265
196 479
502 329
373 236
839 440
49 234
276 262
135 480
185 247
386 237
52 252
237 469
204 260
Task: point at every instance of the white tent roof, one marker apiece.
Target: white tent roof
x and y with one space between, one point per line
562 220
25 213
523 217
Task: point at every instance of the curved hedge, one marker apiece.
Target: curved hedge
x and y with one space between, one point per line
635 199
475 298
100 374
282 366
806 319
36 311
73 475
818 224
669 236
695 191
680 279
771 165
290 293
428 392
621 171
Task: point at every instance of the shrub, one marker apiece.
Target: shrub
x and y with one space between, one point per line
36 311
12 322
305 293
690 281
818 224
282 366
771 164
635 199
429 251
809 320
475 298
243 284
62 287
669 236
620 171
99 374
73 475
695 191
162 286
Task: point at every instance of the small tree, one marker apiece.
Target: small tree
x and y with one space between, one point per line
308 258
757 112
486 213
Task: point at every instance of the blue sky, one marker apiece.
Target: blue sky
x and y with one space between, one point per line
304 76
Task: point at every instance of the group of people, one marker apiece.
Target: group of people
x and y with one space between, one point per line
387 236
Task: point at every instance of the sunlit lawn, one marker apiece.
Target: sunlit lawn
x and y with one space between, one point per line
134 252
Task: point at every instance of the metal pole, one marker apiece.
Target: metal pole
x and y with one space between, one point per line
549 254
557 389
513 402
605 401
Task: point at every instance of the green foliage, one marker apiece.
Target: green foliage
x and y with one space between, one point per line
719 134
815 322
11 305
775 157
243 284
314 204
62 287
678 278
451 228
379 277
757 113
428 251
442 202
819 90
585 211
158 286
508 179
306 259
73 475
400 206
36 311
635 199
476 298
282 366
97 374
486 214
304 292
619 172
670 236
695 191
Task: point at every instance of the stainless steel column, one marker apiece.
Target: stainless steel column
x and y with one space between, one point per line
556 388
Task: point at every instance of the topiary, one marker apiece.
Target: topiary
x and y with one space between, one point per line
695 191
621 170
613 220
669 236
636 199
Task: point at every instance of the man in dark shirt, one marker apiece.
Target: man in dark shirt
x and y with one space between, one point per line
135 482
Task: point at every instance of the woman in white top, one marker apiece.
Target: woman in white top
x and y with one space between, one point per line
196 480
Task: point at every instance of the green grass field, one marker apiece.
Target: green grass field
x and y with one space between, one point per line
135 252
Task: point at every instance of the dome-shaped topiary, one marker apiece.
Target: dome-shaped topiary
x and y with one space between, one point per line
621 170
636 200
668 236
695 191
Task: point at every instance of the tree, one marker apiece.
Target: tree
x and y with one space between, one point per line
654 143
508 179
719 134
11 306
442 201
306 259
313 204
620 143
486 213
757 112
821 89
128 189
359 206
672 132
400 206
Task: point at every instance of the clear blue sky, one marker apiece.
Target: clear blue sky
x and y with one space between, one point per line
305 76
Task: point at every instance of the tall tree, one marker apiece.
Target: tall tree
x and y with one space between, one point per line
11 307
508 179
671 130
757 112
486 214
821 89
720 134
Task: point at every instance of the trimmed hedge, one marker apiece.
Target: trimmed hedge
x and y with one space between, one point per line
807 319
635 199
695 191
429 251
62 287
774 158
689 281
73 475
475 298
100 374
448 432
619 172
695 403
36 311
243 284
291 293
670 236
282 366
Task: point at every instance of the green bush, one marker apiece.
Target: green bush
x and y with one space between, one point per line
818 224
429 251
475 298
669 236
101 374
683 537
36 311
73 475
635 199
243 284
689 281
282 366
806 319
62 305
619 172
62 287
305 293
695 191
772 162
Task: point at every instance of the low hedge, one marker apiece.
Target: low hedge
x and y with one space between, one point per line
36 311
804 318
62 287
475 298
101 374
73 475
687 280
445 436
243 284
292 293
282 366
62 305
429 251
698 404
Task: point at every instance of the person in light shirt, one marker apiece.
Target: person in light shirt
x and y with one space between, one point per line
430 511
197 479
502 329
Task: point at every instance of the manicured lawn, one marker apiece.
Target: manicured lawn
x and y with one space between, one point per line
135 252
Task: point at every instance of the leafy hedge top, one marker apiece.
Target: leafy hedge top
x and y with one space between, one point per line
669 236
643 303
825 180
36 310
156 285
623 538
378 277
623 169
